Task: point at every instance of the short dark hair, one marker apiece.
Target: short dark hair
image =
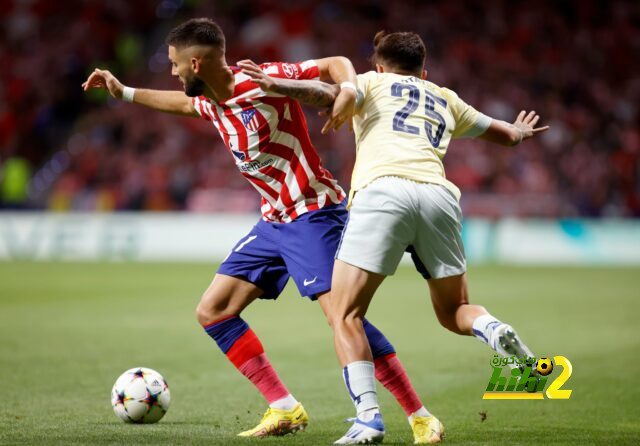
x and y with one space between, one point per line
404 51
201 31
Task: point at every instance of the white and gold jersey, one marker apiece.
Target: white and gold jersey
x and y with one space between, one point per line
403 127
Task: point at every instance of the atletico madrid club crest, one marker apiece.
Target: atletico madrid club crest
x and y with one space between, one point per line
249 119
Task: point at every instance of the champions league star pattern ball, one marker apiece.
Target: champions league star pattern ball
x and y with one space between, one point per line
140 395
544 366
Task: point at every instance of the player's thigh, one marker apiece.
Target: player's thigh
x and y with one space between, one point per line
448 293
226 296
308 248
352 289
253 269
256 259
381 225
438 246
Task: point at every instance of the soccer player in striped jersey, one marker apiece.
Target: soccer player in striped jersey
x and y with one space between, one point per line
303 212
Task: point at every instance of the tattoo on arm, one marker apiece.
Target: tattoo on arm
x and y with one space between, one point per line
317 93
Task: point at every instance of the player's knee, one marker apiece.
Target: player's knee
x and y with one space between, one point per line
208 311
203 315
329 318
329 321
346 321
208 315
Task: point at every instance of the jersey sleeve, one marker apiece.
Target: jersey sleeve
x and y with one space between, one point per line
202 107
299 70
364 82
469 121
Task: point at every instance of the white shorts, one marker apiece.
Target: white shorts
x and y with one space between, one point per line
393 215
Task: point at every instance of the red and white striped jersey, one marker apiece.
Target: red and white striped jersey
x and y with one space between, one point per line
268 137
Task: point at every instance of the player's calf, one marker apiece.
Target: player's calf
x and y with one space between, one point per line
390 372
450 299
243 348
218 313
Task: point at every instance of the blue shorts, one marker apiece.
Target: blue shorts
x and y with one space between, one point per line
303 249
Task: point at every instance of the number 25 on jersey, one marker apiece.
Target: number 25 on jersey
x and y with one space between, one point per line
397 90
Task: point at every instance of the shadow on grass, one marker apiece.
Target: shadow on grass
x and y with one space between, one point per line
156 425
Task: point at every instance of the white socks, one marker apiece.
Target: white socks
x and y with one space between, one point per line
483 327
359 378
286 403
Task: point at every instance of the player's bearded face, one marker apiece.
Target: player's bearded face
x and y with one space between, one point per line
193 86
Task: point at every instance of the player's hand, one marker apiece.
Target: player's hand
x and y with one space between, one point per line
251 69
526 123
104 79
343 109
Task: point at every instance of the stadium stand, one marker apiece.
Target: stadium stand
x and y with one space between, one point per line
574 62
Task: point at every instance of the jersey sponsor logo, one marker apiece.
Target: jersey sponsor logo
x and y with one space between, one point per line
240 155
249 119
288 70
252 166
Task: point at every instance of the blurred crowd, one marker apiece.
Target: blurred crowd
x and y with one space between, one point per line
575 62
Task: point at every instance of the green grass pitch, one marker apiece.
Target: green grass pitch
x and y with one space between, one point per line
67 330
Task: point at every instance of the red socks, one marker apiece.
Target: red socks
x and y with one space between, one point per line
392 375
260 372
245 351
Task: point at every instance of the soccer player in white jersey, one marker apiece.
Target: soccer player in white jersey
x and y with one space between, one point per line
303 213
401 200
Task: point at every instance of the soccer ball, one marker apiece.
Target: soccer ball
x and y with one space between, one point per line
544 366
140 395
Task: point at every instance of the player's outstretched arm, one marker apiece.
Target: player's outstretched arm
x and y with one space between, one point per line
315 93
166 101
524 127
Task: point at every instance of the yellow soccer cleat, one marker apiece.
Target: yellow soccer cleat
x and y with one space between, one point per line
279 422
427 430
